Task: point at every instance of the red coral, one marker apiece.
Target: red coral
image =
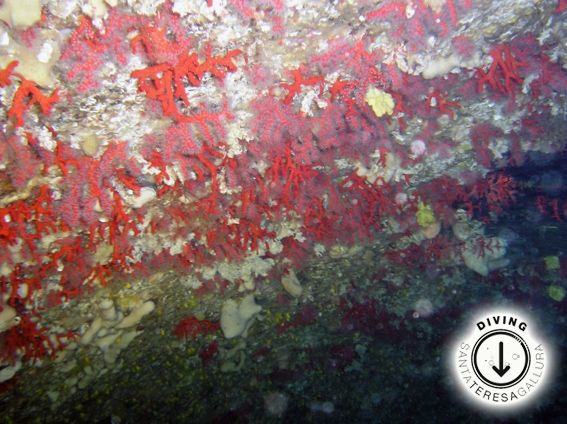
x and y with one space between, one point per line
13 224
436 101
279 126
319 222
398 9
31 340
43 211
481 136
362 317
492 194
297 252
242 8
191 327
556 211
7 72
412 28
352 94
352 60
72 260
464 46
503 75
367 203
208 353
165 82
348 124
300 80
244 236
552 78
26 96
453 12
481 246
551 207
306 315
23 161
156 45
288 171
88 48
441 194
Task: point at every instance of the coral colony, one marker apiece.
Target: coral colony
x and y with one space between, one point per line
146 142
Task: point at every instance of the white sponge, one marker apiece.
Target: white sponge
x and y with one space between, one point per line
237 318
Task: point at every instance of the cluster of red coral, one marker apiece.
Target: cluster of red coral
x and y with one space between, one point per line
225 207
191 327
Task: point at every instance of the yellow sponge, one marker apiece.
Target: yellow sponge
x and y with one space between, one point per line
424 215
382 103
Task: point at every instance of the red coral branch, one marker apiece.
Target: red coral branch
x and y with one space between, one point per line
89 48
368 203
166 83
493 194
191 327
26 96
7 72
436 100
298 80
393 8
453 12
503 75
23 161
241 7
288 171
32 340
481 136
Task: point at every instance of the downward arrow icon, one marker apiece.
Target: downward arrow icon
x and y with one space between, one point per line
501 370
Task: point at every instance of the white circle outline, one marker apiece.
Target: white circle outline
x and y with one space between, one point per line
482 377
465 332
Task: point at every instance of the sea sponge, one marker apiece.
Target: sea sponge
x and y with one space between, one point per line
551 263
291 284
20 14
424 215
557 293
382 103
8 318
482 254
236 318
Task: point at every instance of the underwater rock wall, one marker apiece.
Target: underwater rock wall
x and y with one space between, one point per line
176 154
